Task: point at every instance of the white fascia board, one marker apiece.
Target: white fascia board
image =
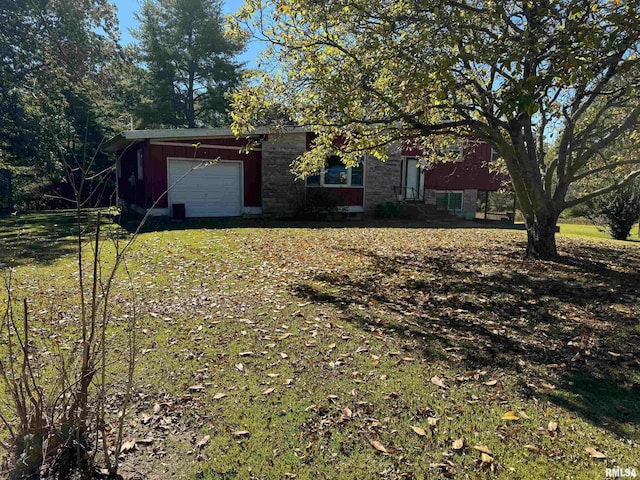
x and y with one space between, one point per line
178 133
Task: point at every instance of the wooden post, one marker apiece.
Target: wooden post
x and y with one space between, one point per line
486 203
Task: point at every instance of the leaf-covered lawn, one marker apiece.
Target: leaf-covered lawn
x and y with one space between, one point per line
333 351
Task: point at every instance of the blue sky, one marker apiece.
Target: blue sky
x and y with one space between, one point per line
126 9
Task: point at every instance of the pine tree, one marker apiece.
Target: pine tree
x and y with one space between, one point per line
189 64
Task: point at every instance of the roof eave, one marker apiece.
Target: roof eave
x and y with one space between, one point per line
130 137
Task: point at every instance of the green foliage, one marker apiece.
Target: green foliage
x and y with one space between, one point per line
322 202
60 71
388 210
618 211
518 75
187 63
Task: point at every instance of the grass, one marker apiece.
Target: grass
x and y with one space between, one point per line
587 230
320 340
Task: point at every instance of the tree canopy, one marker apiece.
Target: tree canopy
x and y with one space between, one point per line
551 85
60 68
188 64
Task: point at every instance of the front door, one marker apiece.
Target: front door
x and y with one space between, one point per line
413 184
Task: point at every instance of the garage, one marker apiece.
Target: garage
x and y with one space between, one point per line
207 191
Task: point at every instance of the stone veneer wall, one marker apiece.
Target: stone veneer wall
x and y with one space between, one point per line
469 200
430 196
380 178
281 193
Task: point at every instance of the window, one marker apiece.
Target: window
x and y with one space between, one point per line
140 165
335 174
456 149
494 155
452 148
452 201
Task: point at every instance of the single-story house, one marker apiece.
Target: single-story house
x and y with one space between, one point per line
257 181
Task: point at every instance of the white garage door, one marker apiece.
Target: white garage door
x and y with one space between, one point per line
209 191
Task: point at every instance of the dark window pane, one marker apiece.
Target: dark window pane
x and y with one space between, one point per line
357 175
455 201
335 172
313 180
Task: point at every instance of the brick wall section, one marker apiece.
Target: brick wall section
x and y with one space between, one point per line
380 178
469 199
429 196
281 193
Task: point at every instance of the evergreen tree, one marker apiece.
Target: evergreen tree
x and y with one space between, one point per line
189 64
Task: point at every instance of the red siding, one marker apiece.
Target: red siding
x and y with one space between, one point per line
472 173
156 166
353 196
350 196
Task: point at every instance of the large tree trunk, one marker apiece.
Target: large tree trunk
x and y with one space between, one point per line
541 234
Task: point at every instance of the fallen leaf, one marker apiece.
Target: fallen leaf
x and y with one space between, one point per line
524 415
432 421
552 427
532 448
594 453
240 433
510 415
203 441
332 346
491 383
485 458
438 381
196 388
156 408
240 367
483 449
273 375
245 354
288 381
284 355
268 391
420 431
378 446
128 446
458 444
346 413
218 396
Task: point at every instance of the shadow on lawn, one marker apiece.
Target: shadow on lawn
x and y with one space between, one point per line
38 237
574 322
154 224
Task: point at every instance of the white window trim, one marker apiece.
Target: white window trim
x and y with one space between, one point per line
461 192
495 156
140 164
403 178
337 185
